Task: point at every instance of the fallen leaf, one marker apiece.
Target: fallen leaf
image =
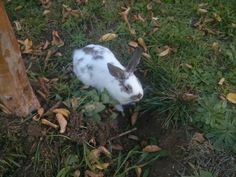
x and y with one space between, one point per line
18 8
134 118
138 171
108 37
189 97
28 46
149 6
133 44
151 148
81 1
56 40
198 137
63 111
202 11
222 98
77 173
221 82
124 16
92 174
18 25
231 97
165 52
188 65
62 122
101 166
46 12
217 17
142 43
46 44
46 3
233 25
67 11
147 56
48 123
133 137
215 46
117 147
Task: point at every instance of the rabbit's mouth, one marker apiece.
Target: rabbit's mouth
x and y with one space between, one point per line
137 97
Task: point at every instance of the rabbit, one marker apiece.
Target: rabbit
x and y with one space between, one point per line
97 66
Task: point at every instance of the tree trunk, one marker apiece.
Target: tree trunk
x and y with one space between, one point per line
16 93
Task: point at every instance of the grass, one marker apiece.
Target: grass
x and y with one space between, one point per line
182 86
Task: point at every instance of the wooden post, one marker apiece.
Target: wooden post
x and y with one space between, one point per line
16 93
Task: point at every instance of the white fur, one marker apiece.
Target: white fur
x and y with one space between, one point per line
99 76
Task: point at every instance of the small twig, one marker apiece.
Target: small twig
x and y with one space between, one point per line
123 134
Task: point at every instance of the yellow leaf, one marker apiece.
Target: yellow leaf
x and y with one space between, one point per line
151 148
77 173
142 43
217 17
48 123
92 174
165 52
134 118
133 44
216 46
62 122
28 45
222 80
202 11
62 111
138 171
198 137
231 97
102 166
46 12
108 37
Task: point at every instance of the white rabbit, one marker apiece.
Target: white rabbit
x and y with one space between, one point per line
97 66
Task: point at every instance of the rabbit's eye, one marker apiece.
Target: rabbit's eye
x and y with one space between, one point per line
128 89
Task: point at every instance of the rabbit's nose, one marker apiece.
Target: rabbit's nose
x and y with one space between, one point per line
136 97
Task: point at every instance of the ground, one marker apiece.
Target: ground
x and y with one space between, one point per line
187 72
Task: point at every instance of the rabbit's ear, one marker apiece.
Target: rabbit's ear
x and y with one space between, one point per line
134 61
116 71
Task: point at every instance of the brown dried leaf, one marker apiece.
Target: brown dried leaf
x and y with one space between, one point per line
188 65
198 137
62 122
56 40
46 3
46 12
133 137
46 44
108 37
189 97
151 148
165 52
147 56
202 11
92 174
217 17
133 44
101 166
233 25
77 173
63 111
138 171
221 82
142 43
117 147
18 25
18 8
48 123
67 11
231 97
28 46
149 6
216 46
134 118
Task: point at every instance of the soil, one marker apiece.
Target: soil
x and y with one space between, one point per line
176 141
